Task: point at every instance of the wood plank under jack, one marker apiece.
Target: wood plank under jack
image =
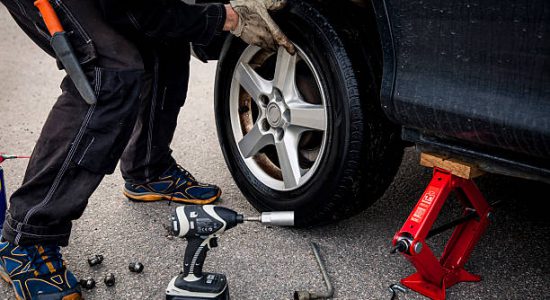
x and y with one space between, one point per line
455 166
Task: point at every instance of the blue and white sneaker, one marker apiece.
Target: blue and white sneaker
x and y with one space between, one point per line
37 273
177 185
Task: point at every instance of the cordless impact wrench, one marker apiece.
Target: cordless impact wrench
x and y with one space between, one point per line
201 226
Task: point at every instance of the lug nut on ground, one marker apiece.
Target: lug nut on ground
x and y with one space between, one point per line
88 283
109 279
135 267
95 260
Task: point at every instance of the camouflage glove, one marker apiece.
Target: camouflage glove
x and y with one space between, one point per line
256 26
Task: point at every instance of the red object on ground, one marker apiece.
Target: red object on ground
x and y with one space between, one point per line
4 157
434 275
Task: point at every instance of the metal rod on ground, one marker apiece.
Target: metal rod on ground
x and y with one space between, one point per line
305 295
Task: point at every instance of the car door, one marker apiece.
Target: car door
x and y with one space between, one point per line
470 71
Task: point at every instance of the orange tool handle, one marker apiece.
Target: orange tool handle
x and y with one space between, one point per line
49 16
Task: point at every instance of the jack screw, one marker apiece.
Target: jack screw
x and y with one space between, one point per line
402 245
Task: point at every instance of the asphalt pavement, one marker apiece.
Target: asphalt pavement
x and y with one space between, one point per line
261 262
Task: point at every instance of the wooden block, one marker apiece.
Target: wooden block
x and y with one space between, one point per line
456 167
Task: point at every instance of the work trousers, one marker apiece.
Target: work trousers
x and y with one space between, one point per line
137 61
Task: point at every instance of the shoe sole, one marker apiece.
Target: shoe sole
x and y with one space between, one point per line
6 278
74 296
153 197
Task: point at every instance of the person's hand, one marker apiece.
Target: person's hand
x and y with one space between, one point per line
256 27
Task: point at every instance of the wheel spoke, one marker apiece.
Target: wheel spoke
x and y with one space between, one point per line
285 73
252 82
287 151
308 116
254 141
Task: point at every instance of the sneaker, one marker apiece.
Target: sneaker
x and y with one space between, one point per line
177 185
37 273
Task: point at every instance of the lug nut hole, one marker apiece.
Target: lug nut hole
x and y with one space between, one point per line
265 125
264 99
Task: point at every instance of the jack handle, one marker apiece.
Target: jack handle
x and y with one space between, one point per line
305 295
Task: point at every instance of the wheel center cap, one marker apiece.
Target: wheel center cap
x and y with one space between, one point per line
274 115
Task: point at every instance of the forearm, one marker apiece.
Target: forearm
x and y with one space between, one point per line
178 20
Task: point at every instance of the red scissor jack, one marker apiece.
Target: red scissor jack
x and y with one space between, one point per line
434 275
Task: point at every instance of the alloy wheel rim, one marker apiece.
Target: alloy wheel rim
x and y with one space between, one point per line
279 124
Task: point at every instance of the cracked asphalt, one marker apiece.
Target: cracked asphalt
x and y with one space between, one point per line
261 262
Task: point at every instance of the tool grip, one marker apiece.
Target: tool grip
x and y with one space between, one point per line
195 254
50 17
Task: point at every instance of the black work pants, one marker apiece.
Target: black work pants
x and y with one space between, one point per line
138 65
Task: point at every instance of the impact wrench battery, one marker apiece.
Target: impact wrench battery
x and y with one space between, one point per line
201 226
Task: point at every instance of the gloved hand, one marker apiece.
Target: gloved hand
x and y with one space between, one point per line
257 28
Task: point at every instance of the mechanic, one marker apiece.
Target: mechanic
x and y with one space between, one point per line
136 56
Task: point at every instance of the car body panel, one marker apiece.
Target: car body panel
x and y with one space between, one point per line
470 71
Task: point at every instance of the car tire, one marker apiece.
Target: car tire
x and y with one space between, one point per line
360 148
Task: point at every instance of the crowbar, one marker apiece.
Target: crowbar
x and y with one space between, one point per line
64 51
